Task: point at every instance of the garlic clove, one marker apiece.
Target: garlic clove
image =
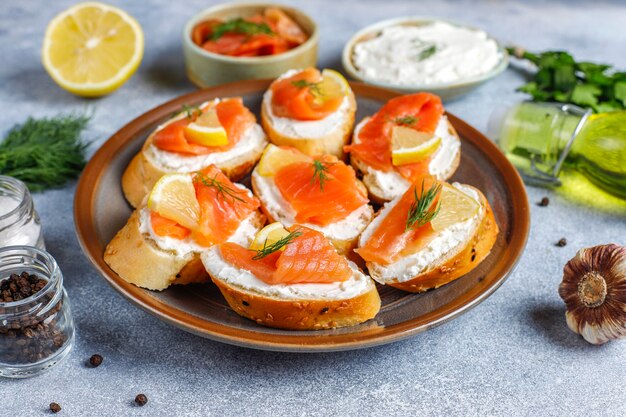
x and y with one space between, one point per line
594 291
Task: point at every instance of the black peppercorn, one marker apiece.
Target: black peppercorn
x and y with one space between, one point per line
562 242
141 400
95 360
544 202
55 408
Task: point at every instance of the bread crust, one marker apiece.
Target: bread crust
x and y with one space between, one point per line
330 144
137 260
141 174
300 314
344 247
376 194
467 258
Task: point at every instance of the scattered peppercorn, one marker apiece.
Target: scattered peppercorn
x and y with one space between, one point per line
55 408
562 242
544 202
95 360
141 400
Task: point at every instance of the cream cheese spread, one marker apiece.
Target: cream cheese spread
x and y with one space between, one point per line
448 241
430 54
392 184
280 209
217 266
311 129
253 138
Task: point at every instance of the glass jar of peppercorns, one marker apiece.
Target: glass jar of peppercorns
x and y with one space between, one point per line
36 325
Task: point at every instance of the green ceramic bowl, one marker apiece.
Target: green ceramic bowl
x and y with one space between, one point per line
446 91
207 69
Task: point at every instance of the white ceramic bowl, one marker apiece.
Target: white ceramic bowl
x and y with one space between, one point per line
446 91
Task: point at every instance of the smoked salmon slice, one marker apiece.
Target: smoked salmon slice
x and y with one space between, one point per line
322 191
233 116
393 239
223 206
297 97
308 258
165 227
374 149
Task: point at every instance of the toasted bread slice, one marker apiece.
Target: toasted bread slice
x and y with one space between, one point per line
316 137
385 186
448 262
294 307
151 163
344 234
138 258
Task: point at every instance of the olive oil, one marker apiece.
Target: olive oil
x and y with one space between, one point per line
541 139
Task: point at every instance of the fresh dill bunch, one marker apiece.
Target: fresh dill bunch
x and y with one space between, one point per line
279 244
45 152
222 189
421 211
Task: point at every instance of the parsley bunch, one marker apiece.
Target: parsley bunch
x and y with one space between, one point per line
560 78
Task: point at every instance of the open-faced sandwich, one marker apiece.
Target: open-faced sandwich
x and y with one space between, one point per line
320 193
222 132
431 235
409 137
185 214
292 279
309 110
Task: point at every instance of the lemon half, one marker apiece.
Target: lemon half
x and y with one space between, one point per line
174 197
91 49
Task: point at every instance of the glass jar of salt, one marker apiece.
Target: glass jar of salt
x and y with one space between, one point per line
19 222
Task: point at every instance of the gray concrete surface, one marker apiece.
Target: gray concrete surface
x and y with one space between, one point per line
512 355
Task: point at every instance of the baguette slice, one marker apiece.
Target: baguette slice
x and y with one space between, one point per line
139 260
453 264
330 142
382 190
144 170
251 298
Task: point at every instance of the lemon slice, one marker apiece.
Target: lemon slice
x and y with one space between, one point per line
456 207
333 85
207 130
270 234
174 197
274 158
409 146
91 49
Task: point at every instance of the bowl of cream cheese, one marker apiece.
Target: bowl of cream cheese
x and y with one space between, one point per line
424 54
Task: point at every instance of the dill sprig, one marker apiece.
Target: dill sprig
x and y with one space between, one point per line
315 88
407 120
242 26
45 152
320 173
223 190
427 52
271 248
421 211
191 111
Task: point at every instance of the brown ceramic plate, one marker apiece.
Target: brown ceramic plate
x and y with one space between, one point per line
100 211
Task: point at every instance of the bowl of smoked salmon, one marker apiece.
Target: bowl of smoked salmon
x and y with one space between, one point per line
232 42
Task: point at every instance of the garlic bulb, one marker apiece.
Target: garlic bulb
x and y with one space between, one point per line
594 291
